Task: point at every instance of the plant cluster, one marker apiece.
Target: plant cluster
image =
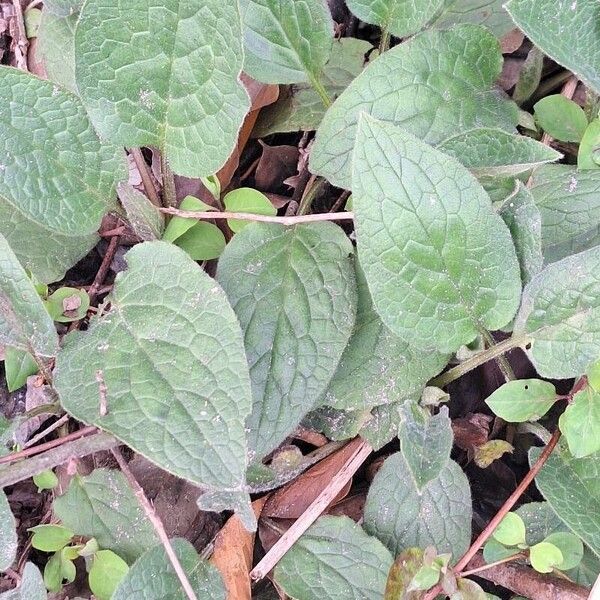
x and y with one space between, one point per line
466 235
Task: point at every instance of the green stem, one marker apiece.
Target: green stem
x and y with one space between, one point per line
384 42
321 91
502 361
169 197
313 187
476 361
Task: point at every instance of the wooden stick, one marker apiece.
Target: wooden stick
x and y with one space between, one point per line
147 182
156 523
188 214
310 515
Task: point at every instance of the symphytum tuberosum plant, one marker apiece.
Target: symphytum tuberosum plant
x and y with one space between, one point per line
336 228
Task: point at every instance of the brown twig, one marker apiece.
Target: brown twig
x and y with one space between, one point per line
46 446
156 523
45 432
21 41
104 267
147 182
504 509
320 503
529 583
188 214
11 474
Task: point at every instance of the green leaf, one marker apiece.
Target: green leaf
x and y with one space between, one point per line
46 480
560 313
56 47
580 423
570 546
569 202
383 425
593 375
494 551
561 118
524 221
152 577
565 31
161 77
487 453
8 534
168 359
588 156
541 521
63 7
106 573
401 574
286 41
335 558
529 76
511 530
300 107
425 441
401 516
438 68
377 367
572 488
488 152
18 366
177 226
50 538
489 13
399 17
544 557
101 505
468 590
24 322
522 400
294 293
57 179
67 304
247 200
31 587
53 573
426 577
202 241
145 219
439 261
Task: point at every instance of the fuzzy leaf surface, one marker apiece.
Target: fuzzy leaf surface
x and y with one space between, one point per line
293 290
335 558
565 30
101 505
435 85
162 77
580 423
286 41
560 312
169 361
31 587
152 577
8 534
489 13
377 367
56 44
440 263
402 517
57 179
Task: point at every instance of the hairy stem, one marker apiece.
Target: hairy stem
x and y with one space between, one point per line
169 198
384 42
502 361
479 359
321 91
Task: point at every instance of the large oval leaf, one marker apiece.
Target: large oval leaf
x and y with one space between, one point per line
435 85
377 367
566 30
102 505
489 13
402 516
152 576
294 292
24 322
439 261
286 41
560 313
569 204
572 488
31 587
57 179
165 75
335 558
165 369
